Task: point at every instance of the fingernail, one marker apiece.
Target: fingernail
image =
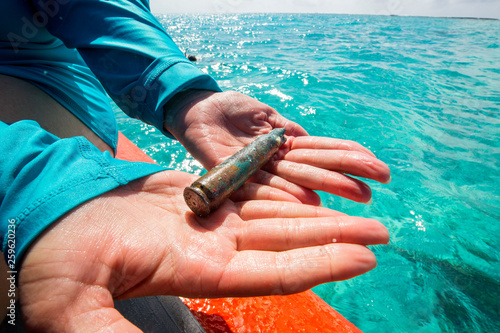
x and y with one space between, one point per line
370 201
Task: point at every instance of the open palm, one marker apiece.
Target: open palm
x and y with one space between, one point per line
213 126
141 239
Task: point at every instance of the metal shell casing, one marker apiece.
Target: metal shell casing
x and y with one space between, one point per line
210 190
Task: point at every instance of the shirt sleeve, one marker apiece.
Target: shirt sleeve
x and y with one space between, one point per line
128 50
42 177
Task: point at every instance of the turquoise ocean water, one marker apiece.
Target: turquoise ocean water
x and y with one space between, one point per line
424 95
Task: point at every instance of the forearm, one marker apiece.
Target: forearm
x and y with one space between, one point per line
43 177
128 50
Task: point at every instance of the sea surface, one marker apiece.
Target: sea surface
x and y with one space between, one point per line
424 95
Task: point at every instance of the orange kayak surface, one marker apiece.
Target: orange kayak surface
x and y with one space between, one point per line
303 312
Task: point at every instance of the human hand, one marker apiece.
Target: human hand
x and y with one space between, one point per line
213 126
141 240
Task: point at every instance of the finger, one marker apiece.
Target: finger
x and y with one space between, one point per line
253 191
302 193
285 233
99 320
102 320
74 306
255 209
292 128
321 180
263 273
352 162
315 142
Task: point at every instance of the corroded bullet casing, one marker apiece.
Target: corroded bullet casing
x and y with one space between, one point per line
208 192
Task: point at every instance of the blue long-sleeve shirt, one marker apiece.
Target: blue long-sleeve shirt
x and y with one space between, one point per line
76 50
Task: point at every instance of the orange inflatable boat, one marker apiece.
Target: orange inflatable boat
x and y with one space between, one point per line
303 312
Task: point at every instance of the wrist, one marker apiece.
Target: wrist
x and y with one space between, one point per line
176 109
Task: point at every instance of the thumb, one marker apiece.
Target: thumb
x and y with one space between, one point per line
87 309
292 128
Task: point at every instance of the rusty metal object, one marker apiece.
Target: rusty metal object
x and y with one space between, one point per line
209 192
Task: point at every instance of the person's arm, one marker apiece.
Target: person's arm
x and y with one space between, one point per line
143 70
128 50
43 177
86 234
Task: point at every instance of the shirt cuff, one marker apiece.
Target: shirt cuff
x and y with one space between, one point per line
165 81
